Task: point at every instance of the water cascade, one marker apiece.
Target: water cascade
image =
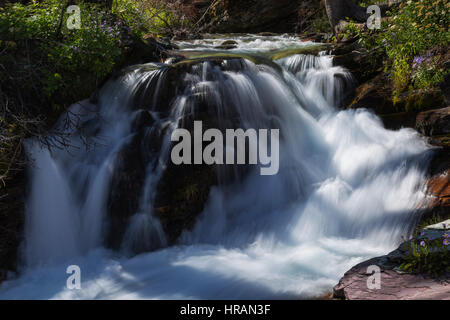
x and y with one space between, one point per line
347 189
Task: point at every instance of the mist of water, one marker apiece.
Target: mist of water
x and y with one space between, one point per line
347 190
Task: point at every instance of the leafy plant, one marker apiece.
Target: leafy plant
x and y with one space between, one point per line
157 17
427 255
45 67
62 59
416 28
412 39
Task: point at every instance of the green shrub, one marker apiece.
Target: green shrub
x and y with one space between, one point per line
412 39
45 67
157 17
42 56
431 256
413 34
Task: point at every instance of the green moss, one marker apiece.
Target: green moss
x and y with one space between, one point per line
423 100
312 49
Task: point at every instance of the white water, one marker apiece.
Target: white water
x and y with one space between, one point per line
347 190
245 43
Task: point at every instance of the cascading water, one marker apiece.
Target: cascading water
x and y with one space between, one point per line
346 190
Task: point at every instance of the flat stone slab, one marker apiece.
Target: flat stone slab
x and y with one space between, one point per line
393 285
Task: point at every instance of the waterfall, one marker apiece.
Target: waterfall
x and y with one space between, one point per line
347 188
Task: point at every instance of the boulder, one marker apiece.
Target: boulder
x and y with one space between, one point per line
227 45
363 64
393 285
397 112
182 190
125 191
434 122
236 16
375 94
438 185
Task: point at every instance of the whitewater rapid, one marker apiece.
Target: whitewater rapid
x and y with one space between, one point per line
347 190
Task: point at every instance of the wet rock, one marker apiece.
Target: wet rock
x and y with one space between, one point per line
363 64
398 120
317 37
374 94
125 192
434 122
184 189
142 119
438 185
396 112
227 45
310 49
181 197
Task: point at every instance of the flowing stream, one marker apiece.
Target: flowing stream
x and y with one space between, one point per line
347 188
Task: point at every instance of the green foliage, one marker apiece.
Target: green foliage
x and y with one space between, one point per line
431 256
157 17
45 67
412 39
415 30
366 38
55 59
130 12
320 23
426 74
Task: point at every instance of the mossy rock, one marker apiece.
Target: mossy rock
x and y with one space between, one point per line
420 100
227 45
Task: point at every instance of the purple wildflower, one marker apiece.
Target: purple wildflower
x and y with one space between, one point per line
446 235
422 233
410 237
422 243
446 242
418 60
